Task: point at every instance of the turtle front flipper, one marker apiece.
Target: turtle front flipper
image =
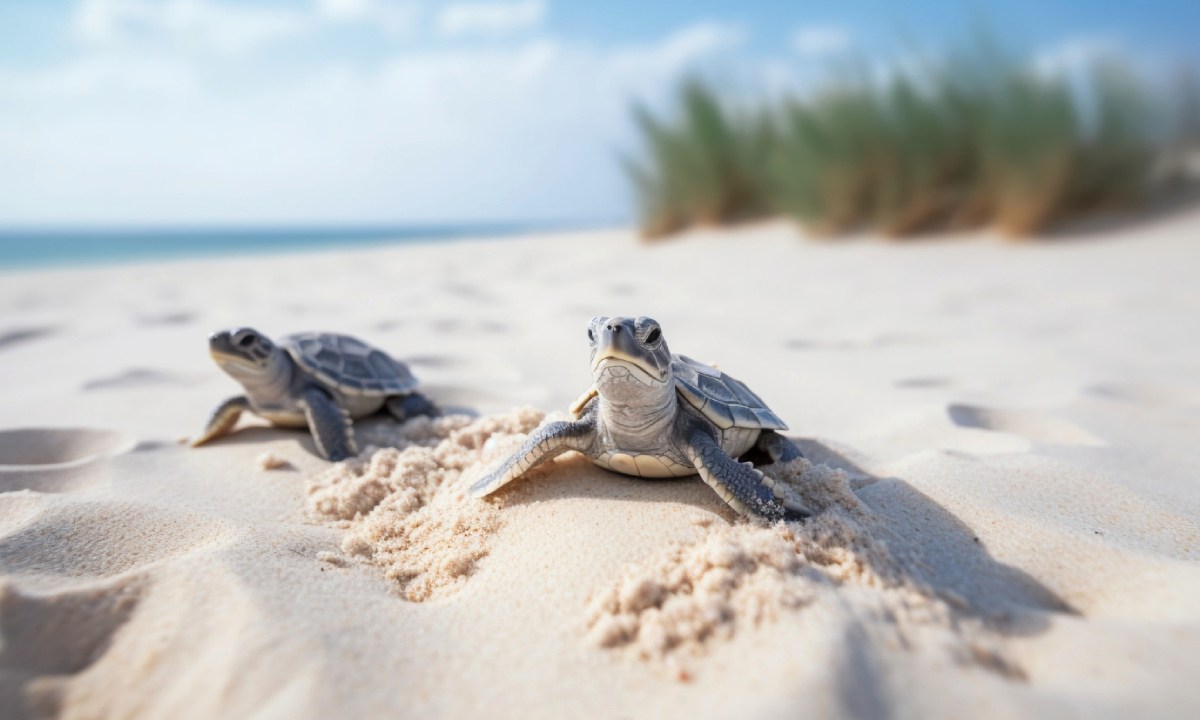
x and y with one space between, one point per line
223 419
739 484
544 443
330 425
579 407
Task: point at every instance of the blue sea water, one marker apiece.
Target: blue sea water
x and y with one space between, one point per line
60 247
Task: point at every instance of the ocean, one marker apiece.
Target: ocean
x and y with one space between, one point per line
59 247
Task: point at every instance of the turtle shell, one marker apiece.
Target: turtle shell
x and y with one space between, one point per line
723 399
349 364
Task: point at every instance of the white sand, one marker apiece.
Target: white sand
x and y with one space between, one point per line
1009 521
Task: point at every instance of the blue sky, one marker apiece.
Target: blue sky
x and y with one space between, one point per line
166 112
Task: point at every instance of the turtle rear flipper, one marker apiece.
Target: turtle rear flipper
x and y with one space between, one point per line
779 448
739 484
405 407
330 425
223 419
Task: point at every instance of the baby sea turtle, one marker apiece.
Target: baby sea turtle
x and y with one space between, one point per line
318 380
653 414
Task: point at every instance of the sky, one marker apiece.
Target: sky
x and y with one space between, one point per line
404 112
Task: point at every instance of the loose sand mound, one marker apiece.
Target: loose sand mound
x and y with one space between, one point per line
743 575
405 510
402 506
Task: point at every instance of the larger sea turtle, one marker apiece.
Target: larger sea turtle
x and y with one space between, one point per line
318 380
653 414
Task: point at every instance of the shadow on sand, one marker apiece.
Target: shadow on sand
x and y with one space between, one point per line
1161 208
262 433
932 547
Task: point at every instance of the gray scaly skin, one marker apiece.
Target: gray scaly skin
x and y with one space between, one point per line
290 393
642 418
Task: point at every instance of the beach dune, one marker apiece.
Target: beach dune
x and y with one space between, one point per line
1000 445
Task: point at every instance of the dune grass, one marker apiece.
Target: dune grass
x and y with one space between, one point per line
708 168
978 140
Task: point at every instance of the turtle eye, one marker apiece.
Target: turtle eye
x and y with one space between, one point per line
652 336
246 340
591 335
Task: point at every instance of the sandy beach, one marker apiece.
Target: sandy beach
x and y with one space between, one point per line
1000 442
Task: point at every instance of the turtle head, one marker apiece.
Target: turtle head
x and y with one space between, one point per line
244 353
631 362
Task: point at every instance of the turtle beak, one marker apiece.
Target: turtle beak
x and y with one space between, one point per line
223 350
616 344
220 344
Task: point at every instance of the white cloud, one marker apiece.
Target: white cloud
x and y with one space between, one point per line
101 76
492 19
221 27
697 41
396 17
226 27
1075 54
345 10
820 40
681 49
452 133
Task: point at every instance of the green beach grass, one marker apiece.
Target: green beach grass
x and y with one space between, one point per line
982 139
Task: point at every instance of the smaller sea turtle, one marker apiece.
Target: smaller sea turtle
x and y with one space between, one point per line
653 414
318 380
